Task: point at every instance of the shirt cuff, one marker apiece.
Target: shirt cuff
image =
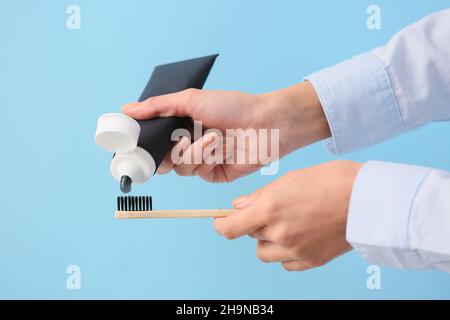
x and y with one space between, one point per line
379 214
358 102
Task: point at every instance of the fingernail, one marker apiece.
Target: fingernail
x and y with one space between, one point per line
239 203
209 138
130 106
163 170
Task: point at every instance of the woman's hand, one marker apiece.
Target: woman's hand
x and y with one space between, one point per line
300 219
295 111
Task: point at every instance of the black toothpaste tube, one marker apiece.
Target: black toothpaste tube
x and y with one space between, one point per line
141 145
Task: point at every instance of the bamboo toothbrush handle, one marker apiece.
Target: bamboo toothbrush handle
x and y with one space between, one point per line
206 213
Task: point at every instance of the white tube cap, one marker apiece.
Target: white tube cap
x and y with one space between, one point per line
138 165
117 132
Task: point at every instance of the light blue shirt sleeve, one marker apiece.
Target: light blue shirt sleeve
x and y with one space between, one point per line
399 215
377 95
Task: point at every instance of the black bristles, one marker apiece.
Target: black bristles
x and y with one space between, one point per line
131 203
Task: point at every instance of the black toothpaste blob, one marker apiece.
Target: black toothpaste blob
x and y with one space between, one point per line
156 134
125 184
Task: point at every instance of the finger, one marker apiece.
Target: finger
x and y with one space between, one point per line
166 165
130 105
173 104
261 234
267 251
244 201
193 156
178 150
235 203
296 265
240 223
210 162
205 171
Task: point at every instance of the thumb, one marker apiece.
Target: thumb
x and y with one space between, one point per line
180 104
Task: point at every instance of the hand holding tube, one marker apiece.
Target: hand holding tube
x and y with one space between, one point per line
295 111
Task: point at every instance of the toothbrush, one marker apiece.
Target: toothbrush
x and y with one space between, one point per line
130 207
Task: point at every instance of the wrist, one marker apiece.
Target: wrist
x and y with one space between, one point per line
299 115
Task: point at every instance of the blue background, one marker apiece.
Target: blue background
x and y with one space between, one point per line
58 197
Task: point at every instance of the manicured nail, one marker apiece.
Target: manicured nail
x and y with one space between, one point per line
130 106
239 202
